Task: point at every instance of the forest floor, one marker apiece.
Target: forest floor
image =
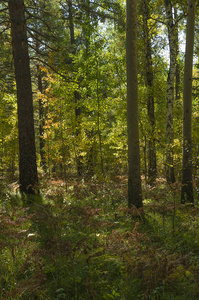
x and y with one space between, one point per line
81 242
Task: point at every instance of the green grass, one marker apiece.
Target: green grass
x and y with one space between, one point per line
84 243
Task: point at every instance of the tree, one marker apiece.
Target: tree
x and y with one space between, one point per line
187 186
149 82
77 96
134 178
170 91
41 114
27 151
177 81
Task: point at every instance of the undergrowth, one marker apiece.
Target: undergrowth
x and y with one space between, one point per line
84 243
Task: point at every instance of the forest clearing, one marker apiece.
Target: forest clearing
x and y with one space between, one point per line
99 150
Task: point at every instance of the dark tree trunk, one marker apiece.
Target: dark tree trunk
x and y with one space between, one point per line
80 167
27 152
71 24
187 185
170 92
134 178
177 58
152 169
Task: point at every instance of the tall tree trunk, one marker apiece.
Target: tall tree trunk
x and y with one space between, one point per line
41 116
152 169
63 148
27 151
98 120
134 178
77 96
87 32
170 93
177 86
41 123
187 186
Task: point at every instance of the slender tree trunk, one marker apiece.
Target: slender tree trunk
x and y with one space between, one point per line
170 93
98 121
134 178
152 169
177 86
187 186
63 150
77 96
71 24
41 124
27 152
41 116
87 32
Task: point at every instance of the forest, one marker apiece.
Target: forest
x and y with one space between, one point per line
99 149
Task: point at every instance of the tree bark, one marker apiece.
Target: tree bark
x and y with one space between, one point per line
187 186
27 151
134 178
170 92
177 86
152 169
77 96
